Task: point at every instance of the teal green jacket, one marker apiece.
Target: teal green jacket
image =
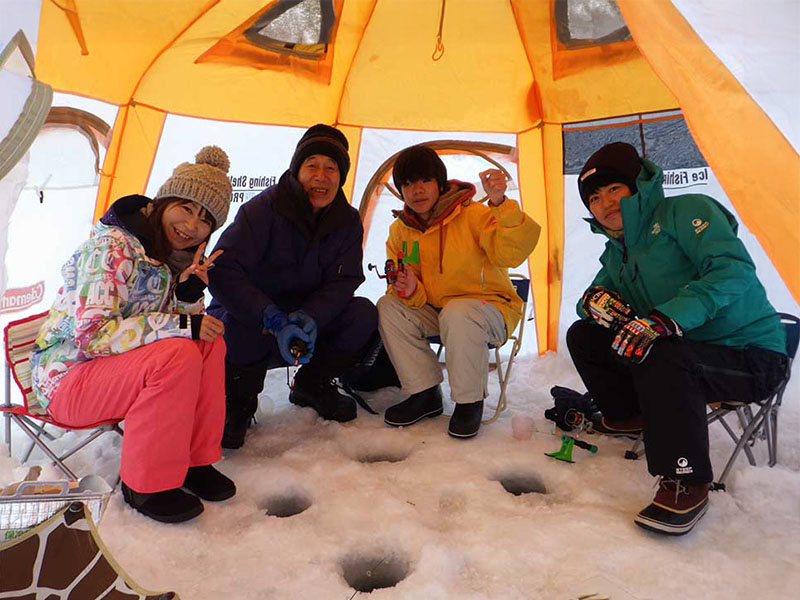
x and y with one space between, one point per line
681 256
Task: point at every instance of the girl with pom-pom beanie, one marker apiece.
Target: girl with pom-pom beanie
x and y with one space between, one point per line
128 339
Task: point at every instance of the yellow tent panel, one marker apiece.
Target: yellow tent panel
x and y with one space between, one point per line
501 67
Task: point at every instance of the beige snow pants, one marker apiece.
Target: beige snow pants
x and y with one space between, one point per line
466 327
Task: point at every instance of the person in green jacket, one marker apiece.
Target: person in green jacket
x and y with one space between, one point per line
675 319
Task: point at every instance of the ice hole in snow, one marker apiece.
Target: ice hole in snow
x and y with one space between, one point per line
287 505
375 570
383 455
517 483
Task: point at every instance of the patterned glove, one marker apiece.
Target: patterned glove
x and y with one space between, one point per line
607 307
636 338
277 323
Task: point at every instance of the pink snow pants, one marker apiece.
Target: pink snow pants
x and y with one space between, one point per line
171 394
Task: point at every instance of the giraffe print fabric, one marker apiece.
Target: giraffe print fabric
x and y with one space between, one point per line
64 558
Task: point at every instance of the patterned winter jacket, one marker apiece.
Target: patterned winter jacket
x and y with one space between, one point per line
114 299
465 251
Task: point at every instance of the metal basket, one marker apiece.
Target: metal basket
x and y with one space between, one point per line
26 509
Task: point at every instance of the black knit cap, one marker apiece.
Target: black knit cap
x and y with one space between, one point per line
419 162
616 162
325 140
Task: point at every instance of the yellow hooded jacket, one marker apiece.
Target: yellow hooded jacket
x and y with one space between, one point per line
465 251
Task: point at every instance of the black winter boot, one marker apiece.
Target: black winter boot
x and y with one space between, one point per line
209 484
314 386
324 397
466 420
427 403
373 371
242 386
169 506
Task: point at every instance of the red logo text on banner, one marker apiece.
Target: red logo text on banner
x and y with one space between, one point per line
16 299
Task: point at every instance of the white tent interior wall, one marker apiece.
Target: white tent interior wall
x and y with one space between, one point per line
759 43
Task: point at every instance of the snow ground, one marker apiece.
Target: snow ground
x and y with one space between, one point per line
439 516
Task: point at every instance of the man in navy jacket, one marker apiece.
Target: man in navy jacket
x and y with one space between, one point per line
284 286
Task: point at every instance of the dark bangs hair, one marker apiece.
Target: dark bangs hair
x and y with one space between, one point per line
419 162
160 249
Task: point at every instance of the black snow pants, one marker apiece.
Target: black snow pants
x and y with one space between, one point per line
670 389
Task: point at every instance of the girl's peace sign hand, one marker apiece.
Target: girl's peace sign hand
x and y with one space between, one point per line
200 265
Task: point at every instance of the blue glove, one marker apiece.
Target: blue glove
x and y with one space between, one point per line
307 324
274 319
277 323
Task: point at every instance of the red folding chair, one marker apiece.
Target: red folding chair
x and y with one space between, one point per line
30 416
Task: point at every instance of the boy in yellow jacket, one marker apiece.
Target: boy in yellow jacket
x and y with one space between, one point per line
454 283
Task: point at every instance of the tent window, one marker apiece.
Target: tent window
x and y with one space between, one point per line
298 27
582 23
664 137
297 36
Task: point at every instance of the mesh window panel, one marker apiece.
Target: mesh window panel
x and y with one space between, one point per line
667 143
671 146
581 144
582 23
301 27
298 25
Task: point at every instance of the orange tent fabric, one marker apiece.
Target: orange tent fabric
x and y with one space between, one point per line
502 70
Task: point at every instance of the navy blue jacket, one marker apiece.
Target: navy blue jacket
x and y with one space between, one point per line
277 251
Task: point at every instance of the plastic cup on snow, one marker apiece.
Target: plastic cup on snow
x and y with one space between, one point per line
522 427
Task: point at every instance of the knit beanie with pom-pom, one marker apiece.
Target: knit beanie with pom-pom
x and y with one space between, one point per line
205 181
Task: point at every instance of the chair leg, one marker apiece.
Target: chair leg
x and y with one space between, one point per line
7 417
503 378
7 403
758 433
771 426
745 419
501 401
742 443
771 434
58 462
637 449
736 439
87 440
40 431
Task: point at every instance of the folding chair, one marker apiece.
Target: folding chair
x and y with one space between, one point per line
19 338
761 425
522 285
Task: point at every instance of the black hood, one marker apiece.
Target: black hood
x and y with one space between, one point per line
126 213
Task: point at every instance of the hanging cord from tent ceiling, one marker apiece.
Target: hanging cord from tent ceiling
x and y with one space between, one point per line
71 10
438 51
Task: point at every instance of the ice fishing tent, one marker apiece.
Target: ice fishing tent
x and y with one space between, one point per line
528 68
